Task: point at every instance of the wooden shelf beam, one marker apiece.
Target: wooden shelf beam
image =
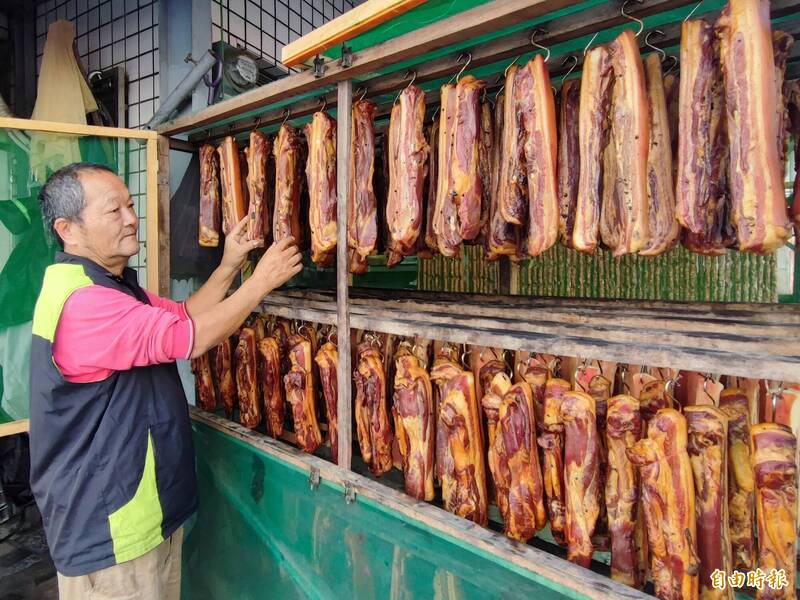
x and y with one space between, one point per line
746 340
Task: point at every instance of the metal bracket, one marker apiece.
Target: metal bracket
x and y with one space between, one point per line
319 66
313 478
349 492
347 57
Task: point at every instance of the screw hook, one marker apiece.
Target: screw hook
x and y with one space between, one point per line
631 17
535 44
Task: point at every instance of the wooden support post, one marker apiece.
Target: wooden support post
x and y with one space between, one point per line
151 216
163 217
344 409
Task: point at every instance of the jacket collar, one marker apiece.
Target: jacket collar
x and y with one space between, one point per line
128 274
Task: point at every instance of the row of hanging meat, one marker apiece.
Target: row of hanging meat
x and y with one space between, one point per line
667 470
632 160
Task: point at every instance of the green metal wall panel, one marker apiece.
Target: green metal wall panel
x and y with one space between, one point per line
261 532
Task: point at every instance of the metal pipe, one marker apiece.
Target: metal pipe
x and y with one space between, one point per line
184 88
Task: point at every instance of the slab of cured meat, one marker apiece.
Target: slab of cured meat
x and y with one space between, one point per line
362 207
234 204
407 156
321 177
459 441
746 54
257 154
210 215
414 423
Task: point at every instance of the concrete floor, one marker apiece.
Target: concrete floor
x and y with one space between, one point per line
26 570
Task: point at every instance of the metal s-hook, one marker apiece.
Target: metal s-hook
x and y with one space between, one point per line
631 17
363 91
647 43
323 103
286 113
413 74
535 44
505 75
591 41
468 57
572 68
258 123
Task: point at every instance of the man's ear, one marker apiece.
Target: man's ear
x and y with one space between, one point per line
65 229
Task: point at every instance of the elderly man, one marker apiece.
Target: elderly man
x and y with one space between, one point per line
112 463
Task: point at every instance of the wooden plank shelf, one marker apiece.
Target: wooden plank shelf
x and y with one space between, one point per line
745 340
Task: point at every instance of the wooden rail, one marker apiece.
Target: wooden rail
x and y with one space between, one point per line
746 340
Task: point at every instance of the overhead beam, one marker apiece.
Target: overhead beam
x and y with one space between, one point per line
355 21
467 25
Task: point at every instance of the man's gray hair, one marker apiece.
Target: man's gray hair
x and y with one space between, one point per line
62 195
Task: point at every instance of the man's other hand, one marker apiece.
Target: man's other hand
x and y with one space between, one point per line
237 247
280 263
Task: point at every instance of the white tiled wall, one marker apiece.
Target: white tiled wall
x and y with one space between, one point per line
117 33
266 26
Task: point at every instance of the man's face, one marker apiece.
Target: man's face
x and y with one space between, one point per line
108 226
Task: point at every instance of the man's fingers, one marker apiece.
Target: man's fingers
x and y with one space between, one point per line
239 227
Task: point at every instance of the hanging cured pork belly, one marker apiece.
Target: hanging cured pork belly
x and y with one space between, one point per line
672 96
362 227
664 229
708 453
247 379
223 369
703 158
371 410
431 243
271 384
286 214
206 394
457 216
257 154
623 430
493 394
593 132
746 54
536 113
209 225
774 447
299 382
459 443
234 207
626 227
327 359
741 486
581 474
668 498
513 186
407 155
321 176
552 443
502 238
514 463
569 158
414 425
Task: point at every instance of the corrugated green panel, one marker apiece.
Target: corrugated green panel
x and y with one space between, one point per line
261 532
677 275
